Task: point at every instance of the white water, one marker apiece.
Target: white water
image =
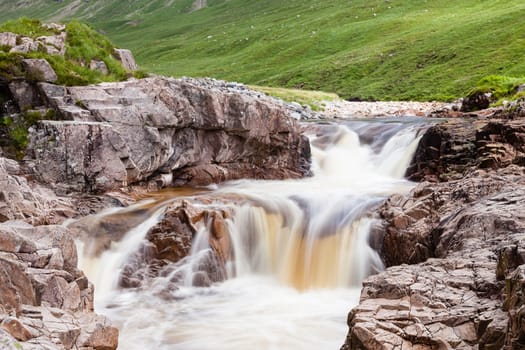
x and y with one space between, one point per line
300 249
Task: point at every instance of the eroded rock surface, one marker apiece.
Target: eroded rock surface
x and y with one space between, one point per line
45 301
165 131
462 234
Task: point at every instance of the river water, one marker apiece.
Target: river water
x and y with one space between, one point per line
301 253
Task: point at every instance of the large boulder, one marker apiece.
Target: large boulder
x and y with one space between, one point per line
166 132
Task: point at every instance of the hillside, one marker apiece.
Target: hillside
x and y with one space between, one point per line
380 49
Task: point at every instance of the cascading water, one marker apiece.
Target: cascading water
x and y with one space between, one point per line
300 252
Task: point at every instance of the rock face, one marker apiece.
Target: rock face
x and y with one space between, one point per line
41 69
462 232
451 150
165 131
22 200
45 301
126 58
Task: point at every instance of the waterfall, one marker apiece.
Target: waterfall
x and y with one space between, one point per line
300 252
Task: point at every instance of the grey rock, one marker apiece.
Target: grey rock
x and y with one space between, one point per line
49 301
126 58
25 94
190 131
40 69
22 200
8 39
99 66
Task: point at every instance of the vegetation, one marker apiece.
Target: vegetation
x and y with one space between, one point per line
503 88
364 49
314 99
83 44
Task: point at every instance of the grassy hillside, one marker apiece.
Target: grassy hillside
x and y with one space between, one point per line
367 49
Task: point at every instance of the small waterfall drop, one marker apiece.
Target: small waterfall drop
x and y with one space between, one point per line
300 252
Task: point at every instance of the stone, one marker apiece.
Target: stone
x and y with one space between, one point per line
476 101
8 39
40 69
126 58
16 329
16 287
54 44
462 234
27 45
160 130
49 302
22 200
99 66
7 342
25 94
450 150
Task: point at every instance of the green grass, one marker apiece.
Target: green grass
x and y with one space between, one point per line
83 44
366 49
314 99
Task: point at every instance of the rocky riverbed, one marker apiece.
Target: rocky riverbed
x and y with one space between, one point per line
453 246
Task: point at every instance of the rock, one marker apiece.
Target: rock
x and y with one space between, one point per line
50 302
54 44
160 128
99 66
25 94
126 58
476 101
515 305
26 46
8 39
465 241
21 200
16 329
40 69
15 287
170 241
452 149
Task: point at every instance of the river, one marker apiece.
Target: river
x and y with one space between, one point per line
301 252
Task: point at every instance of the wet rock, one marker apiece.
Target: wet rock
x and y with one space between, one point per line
160 128
169 242
465 241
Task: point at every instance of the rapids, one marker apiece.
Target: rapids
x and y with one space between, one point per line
301 250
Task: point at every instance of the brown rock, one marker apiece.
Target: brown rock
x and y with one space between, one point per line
16 329
476 101
15 285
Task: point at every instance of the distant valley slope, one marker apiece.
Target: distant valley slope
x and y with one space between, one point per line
379 49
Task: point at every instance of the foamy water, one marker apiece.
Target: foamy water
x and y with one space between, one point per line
301 252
